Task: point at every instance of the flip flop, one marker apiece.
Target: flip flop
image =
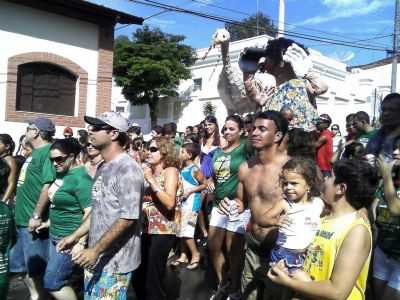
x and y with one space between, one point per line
177 263
193 265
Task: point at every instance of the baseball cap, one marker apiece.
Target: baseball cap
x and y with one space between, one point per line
112 119
325 118
43 124
68 130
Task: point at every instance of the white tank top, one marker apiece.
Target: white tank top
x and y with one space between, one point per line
304 220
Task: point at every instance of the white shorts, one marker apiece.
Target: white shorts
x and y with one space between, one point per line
386 269
188 223
220 220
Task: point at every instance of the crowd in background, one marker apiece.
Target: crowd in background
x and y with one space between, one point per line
286 204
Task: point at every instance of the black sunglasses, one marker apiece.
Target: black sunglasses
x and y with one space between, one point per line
153 149
96 128
58 159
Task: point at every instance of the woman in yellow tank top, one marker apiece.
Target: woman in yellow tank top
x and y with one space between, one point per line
337 261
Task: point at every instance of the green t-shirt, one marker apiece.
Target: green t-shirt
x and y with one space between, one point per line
36 171
365 137
69 194
226 167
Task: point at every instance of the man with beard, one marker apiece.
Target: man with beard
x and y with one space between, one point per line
259 189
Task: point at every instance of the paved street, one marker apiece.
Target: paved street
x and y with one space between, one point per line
181 284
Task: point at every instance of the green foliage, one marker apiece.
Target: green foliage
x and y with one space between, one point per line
150 66
248 27
209 109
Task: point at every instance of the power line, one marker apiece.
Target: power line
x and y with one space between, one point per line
363 40
289 24
151 16
351 44
221 7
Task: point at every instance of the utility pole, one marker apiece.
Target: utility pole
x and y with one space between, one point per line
395 45
258 21
281 20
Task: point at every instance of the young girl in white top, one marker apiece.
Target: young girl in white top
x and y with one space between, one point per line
298 213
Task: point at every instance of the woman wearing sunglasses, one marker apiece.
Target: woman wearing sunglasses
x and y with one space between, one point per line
161 210
226 231
70 197
94 160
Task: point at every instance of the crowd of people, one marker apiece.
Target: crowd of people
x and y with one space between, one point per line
287 206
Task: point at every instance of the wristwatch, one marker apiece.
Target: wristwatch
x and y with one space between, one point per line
36 216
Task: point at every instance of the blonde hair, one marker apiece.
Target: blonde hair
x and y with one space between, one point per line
168 151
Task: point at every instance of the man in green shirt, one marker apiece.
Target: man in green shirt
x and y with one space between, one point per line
364 130
29 254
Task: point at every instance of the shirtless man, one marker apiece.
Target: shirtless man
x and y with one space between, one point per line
259 189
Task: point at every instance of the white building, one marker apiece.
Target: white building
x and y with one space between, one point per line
56 59
350 89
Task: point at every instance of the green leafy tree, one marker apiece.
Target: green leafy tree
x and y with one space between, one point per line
150 66
248 27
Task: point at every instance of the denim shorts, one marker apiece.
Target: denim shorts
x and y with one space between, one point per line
386 269
30 252
59 267
293 259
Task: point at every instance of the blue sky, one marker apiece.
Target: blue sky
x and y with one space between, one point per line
352 20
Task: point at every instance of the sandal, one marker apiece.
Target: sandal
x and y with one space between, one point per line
193 264
178 262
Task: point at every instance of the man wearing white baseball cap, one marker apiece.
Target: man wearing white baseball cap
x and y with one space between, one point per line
113 251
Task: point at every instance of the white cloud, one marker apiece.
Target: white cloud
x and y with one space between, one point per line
202 3
347 8
343 56
160 23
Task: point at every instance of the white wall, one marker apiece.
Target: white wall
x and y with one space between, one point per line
23 30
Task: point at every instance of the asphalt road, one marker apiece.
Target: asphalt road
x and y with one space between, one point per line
180 283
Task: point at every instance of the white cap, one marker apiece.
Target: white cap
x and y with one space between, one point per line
112 119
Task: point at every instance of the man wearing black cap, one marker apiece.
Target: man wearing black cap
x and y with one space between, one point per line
113 251
29 254
324 145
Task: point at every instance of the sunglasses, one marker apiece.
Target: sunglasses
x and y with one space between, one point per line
31 128
96 128
153 149
58 159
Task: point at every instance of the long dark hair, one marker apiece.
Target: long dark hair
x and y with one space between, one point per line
216 139
7 140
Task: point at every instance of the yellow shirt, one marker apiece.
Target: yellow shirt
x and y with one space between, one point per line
321 254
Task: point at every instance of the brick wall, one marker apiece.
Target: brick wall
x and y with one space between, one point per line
20 116
105 68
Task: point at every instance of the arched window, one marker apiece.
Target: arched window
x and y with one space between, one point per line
45 88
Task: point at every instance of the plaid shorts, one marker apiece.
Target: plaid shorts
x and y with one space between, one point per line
106 286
